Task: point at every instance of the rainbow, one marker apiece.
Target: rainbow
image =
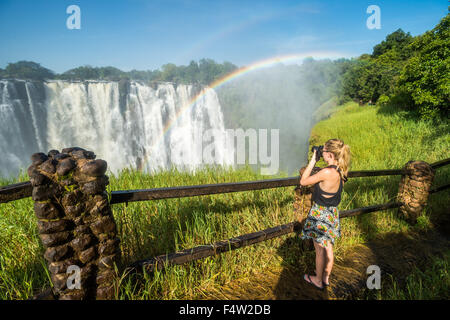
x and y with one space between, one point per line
291 58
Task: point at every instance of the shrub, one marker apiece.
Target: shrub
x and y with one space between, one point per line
383 100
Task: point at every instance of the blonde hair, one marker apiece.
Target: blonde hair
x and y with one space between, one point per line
341 152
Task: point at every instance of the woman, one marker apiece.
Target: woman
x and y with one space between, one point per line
322 224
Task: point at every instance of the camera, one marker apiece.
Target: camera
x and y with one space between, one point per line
319 150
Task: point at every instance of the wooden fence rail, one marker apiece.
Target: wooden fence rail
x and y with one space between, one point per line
204 251
23 189
437 189
16 191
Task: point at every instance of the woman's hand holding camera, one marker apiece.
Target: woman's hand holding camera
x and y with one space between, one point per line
308 168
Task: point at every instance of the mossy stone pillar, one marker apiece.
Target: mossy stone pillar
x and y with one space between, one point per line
414 189
75 223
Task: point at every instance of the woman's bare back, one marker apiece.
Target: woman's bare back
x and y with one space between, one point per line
332 184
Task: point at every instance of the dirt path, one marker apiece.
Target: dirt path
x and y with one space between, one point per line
395 253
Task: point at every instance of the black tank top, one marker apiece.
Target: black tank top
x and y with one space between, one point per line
318 194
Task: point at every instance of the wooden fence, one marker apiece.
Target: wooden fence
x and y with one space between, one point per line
415 174
23 190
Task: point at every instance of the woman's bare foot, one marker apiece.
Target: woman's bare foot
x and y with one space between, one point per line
326 280
314 280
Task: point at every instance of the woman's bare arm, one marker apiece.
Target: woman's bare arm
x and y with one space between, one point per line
306 178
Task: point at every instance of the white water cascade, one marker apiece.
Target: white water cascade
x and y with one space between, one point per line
128 124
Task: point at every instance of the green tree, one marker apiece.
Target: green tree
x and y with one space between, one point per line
192 72
353 81
27 70
81 73
208 69
425 79
396 40
169 72
93 73
372 76
111 73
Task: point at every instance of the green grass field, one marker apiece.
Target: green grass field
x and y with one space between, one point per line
379 139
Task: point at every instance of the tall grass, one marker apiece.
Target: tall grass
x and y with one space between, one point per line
429 282
378 140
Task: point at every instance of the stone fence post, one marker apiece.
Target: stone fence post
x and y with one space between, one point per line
414 189
75 223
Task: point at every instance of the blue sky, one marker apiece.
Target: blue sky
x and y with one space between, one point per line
140 34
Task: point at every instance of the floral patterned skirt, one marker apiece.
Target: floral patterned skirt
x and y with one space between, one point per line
322 225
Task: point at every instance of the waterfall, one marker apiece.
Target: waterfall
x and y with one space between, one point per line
129 124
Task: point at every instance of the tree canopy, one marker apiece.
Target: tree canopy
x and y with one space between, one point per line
88 72
396 40
203 72
26 70
410 72
425 79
